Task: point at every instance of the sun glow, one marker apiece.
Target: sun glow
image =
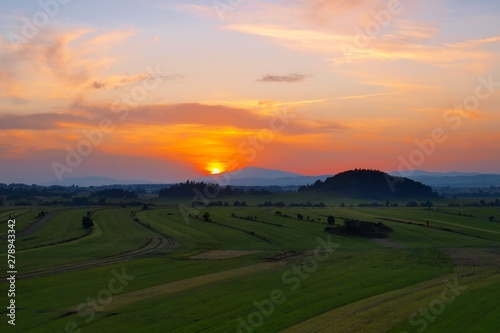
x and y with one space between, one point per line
215 168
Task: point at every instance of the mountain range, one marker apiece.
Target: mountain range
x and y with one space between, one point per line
451 179
254 176
93 181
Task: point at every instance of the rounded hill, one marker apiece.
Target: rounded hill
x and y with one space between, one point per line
371 184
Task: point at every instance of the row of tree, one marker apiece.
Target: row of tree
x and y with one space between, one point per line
114 193
219 203
191 188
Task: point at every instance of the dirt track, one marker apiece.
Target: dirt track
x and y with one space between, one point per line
220 254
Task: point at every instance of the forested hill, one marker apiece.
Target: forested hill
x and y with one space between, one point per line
372 184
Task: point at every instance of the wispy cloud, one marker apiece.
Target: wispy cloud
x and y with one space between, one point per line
268 104
290 78
324 26
403 85
41 121
55 67
474 42
114 82
406 31
369 95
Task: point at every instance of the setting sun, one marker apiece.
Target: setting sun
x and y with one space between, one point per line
215 168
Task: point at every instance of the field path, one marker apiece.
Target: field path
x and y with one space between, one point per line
220 254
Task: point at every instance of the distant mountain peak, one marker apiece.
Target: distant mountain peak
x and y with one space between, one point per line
256 176
261 173
422 173
93 181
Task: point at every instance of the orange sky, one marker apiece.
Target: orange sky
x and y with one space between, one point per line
165 92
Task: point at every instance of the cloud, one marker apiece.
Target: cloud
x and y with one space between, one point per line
290 78
118 81
99 85
474 42
369 95
338 6
296 38
435 55
42 121
56 66
332 28
410 31
334 13
154 125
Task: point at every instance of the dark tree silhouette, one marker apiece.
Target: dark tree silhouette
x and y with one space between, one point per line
206 217
361 228
428 204
87 222
331 220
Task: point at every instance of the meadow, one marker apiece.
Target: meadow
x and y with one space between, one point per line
255 269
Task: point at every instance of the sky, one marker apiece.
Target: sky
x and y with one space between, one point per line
164 91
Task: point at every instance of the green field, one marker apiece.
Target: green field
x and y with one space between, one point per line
156 271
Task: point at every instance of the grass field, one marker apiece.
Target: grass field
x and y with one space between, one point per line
23 217
163 273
